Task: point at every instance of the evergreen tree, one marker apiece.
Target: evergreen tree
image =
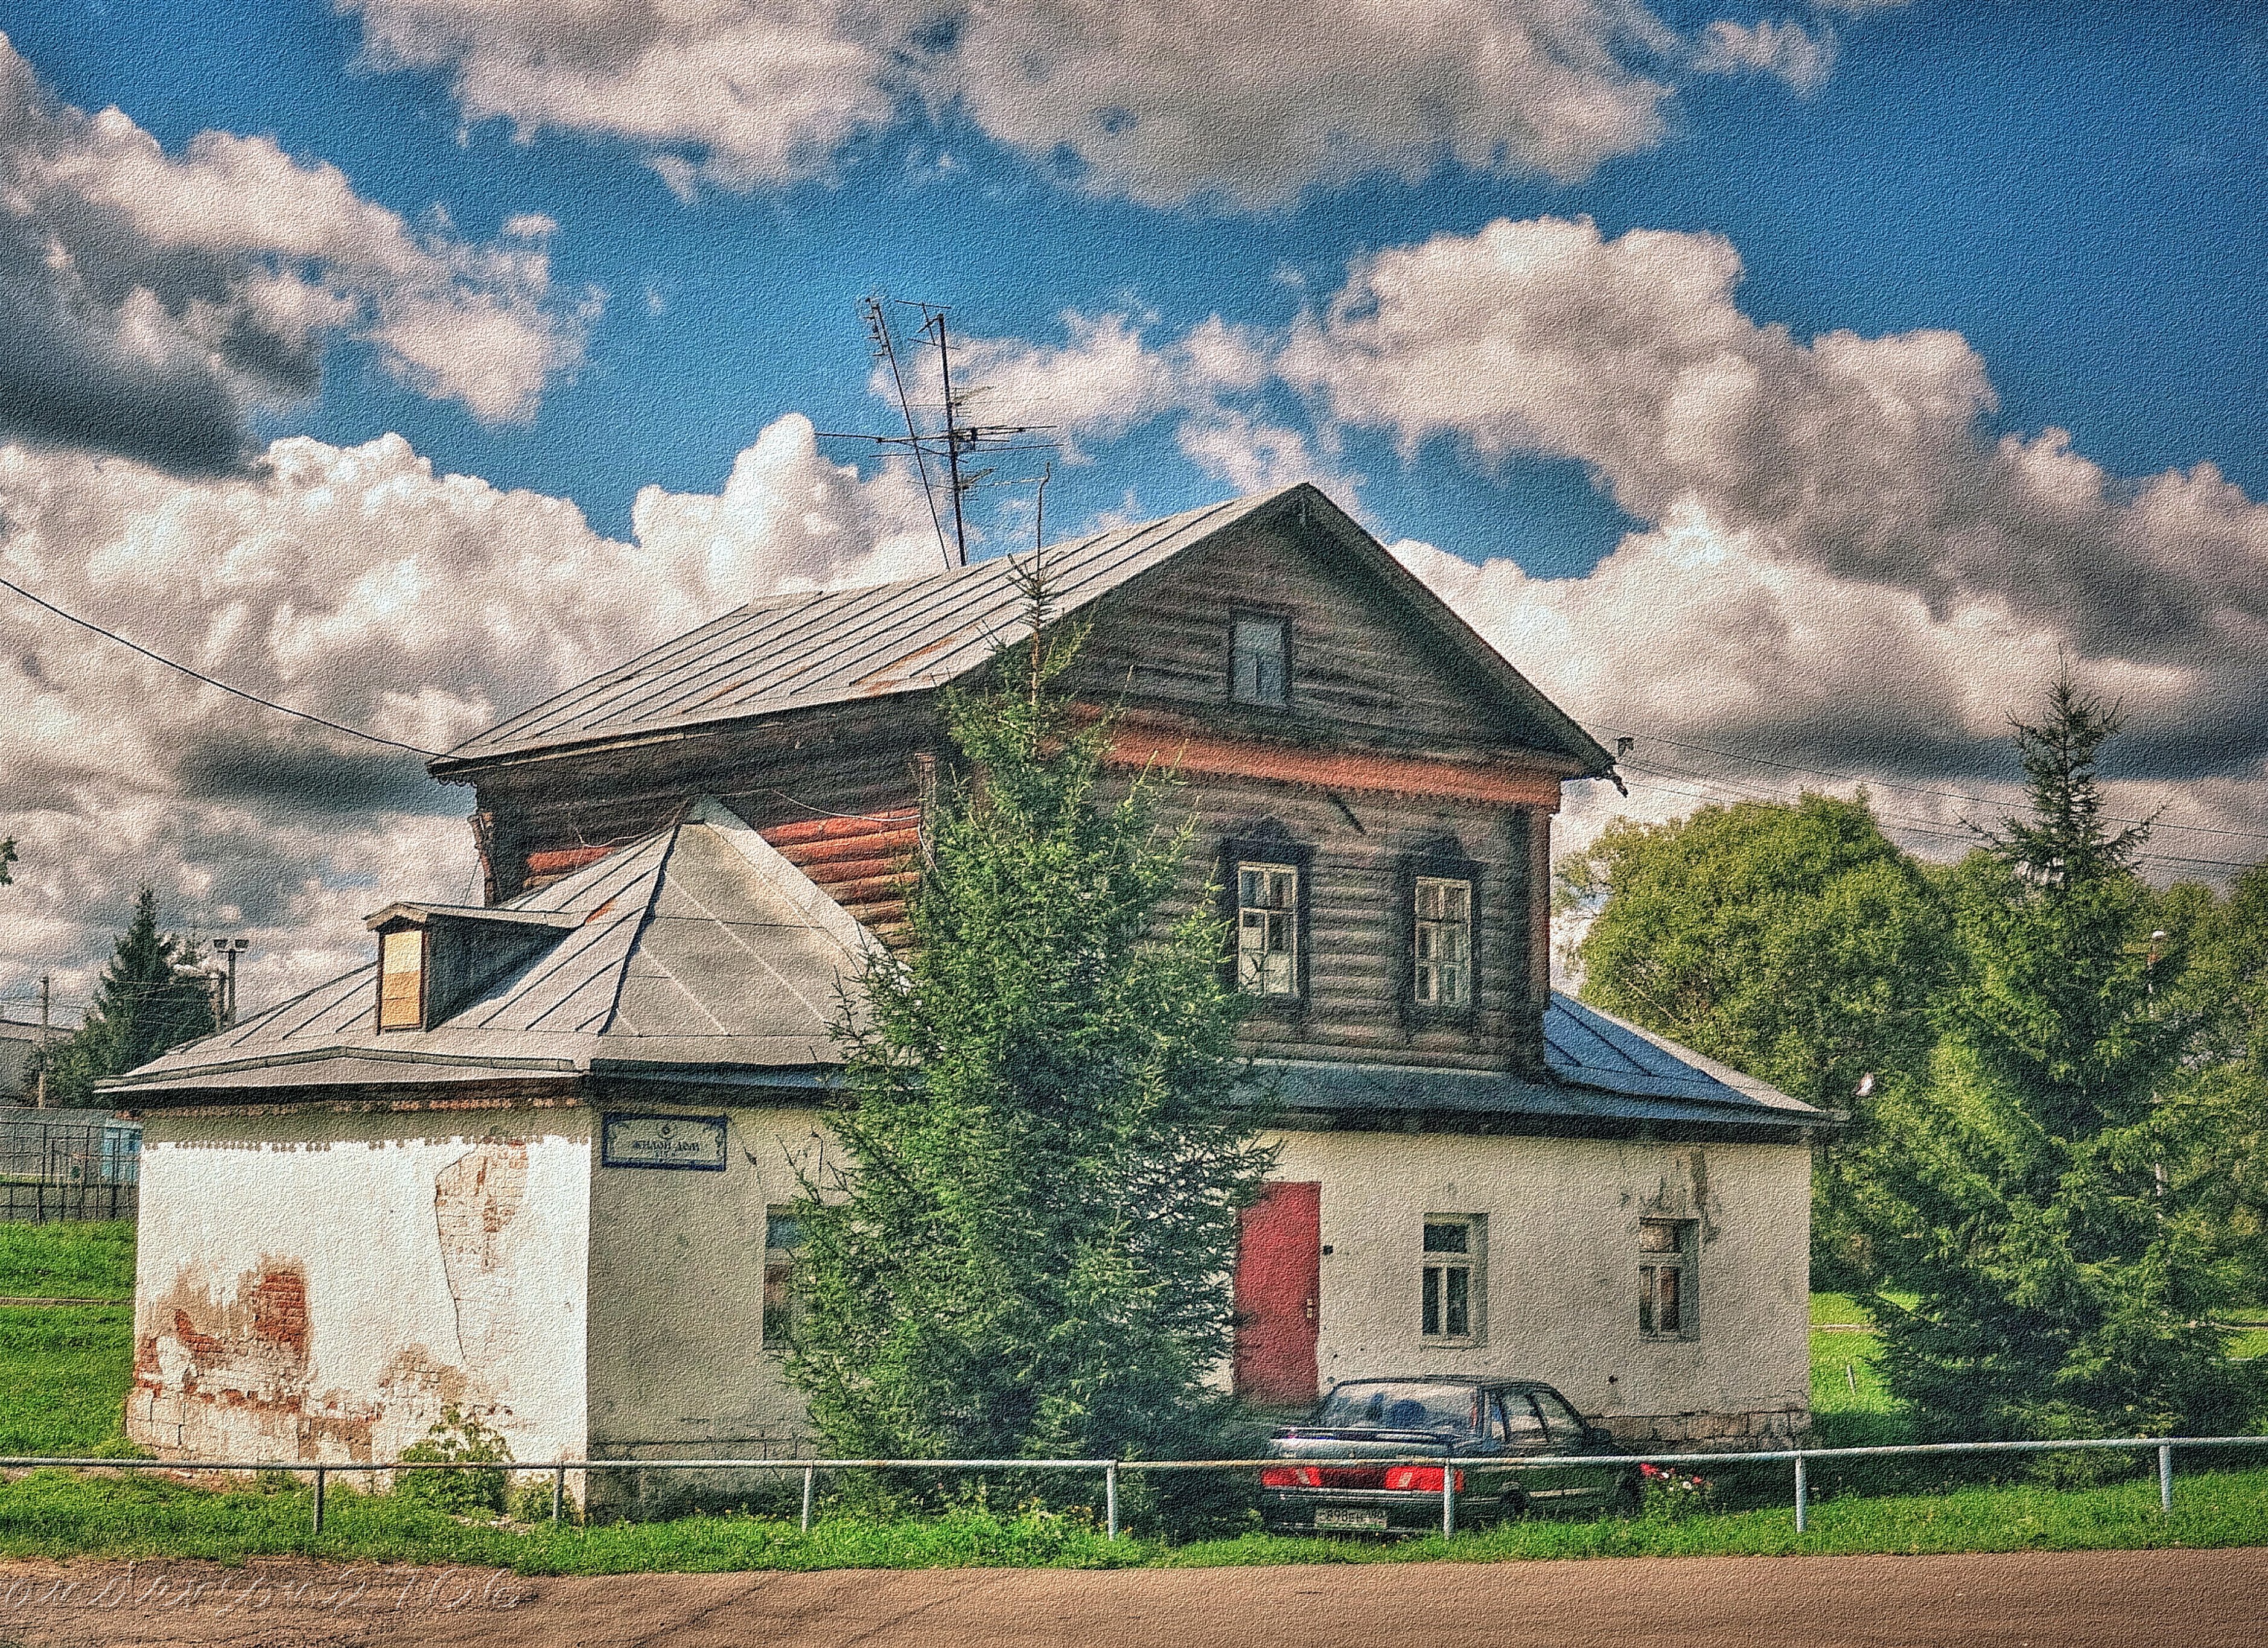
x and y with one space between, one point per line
2066 1281
1025 1248
143 1006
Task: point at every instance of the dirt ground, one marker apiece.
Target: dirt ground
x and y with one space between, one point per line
2031 1599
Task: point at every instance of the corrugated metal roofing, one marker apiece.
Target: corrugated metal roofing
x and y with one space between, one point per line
828 646
1596 1049
697 945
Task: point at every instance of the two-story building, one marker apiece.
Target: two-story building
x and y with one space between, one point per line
537 1157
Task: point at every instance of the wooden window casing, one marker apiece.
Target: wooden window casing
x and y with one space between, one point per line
1452 1278
1667 1297
1265 887
401 967
1260 659
1438 932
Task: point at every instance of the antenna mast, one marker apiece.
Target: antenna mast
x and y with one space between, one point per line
956 432
878 327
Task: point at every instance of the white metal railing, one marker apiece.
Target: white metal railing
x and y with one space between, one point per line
1113 1468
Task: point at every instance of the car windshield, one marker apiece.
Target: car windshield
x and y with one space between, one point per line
1401 1405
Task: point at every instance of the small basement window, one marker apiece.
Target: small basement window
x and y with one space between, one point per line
402 979
1268 929
1260 660
783 1249
1449 1279
1442 963
1666 1278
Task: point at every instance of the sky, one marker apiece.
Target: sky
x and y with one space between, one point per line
1792 389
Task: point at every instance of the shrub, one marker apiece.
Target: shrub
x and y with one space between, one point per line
458 1436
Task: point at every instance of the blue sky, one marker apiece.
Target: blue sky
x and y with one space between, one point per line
1708 356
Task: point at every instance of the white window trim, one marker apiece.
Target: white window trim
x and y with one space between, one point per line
1473 1262
1421 924
1289 913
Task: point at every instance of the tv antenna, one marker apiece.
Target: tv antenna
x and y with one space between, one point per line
960 437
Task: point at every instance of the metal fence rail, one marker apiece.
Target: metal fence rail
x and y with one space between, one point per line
1112 1469
53 1170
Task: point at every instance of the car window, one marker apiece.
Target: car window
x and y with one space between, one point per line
1521 1422
1402 1406
1565 1428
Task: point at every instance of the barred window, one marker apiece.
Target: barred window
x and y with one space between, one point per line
1443 937
1666 1278
1268 929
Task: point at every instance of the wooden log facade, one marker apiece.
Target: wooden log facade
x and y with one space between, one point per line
1390 751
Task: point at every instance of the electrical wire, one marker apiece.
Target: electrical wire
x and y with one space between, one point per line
197 674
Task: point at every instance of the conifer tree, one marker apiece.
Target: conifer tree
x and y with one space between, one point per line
143 1006
2066 1284
1025 1248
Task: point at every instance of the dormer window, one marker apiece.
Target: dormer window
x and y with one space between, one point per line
1260 660
402 979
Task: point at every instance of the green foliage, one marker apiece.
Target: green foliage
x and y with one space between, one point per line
458 1436
2068 1279
143 1005
1795 943
7 857
1025 1247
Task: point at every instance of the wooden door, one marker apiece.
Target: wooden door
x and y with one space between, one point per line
1279 1279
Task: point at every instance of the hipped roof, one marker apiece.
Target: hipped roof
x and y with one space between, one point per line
804 651
697 948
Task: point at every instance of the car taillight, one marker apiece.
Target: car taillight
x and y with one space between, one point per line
1422 1479
1291 1476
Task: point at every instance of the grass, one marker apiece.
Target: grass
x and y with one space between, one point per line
64 1368
57 1513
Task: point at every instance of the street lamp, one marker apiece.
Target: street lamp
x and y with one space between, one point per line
229 948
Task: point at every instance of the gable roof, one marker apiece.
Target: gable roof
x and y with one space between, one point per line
803 650
698 945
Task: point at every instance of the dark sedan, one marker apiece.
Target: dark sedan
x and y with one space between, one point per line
1498 1436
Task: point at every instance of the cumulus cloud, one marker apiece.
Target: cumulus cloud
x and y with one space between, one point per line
358 584
149 302
1242 105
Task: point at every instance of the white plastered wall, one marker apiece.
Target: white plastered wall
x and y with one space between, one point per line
320 1285
1560 1293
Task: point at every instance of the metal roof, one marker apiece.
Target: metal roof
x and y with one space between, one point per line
802 650
697 945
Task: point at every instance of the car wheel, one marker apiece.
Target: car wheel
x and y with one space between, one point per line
1510 1506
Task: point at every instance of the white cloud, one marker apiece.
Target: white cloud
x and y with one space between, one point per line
358 584
149 302
1246 105
1788 50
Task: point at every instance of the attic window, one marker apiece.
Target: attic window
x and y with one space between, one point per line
1260 660
402 979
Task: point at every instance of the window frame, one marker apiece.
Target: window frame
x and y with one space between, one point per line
1684 1261
785 1259
424 970
1267 849
1473 1262
1438 865
1283 622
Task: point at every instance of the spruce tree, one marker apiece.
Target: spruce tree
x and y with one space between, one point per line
2066 1282
1024 1246
143 1006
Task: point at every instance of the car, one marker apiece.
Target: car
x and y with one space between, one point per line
1498 1436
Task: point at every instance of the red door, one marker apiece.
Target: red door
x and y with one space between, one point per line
1279 1279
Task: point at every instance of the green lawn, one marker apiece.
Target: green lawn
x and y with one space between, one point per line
64 1368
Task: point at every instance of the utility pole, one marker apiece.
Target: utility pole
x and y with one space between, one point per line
46 1004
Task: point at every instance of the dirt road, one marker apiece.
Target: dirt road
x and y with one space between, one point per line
2032 1600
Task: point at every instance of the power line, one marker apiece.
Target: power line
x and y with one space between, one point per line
195 674
1921 790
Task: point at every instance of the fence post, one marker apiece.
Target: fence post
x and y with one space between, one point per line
1802 1494
319 1499
558 1492
1110 1499
810 1481
1448 1497
2165 1478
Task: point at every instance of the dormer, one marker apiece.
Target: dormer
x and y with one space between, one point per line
433 959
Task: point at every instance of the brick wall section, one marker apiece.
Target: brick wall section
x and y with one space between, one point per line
1759 1432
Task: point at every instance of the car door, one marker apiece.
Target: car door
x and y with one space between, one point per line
1566 1433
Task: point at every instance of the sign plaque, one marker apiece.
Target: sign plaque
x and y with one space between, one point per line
664 1141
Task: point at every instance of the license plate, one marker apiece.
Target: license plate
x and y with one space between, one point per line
1348 1517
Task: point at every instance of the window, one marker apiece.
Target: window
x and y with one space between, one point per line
1449 1279
1268 929
402 979
1665 1278
1442 944
1260 660
782 1246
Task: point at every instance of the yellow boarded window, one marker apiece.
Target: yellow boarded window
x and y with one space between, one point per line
401 980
